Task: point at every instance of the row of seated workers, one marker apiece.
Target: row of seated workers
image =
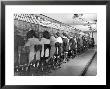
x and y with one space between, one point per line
47 51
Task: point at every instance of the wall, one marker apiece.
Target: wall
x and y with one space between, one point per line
95 37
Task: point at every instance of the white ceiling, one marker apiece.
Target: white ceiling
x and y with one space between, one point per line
76 22
68 18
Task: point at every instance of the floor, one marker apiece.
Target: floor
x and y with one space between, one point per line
76 66
92 70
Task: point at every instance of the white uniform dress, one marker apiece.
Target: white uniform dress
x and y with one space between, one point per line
31 43
44 41
59 39
52 44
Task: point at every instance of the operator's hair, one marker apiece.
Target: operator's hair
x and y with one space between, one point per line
31 34
46 34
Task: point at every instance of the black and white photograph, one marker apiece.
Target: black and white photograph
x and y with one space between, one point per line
55 44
